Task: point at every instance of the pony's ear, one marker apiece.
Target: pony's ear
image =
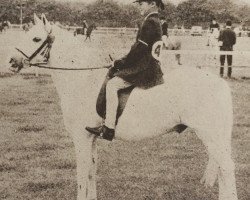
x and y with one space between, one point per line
44 19
36 19
46 23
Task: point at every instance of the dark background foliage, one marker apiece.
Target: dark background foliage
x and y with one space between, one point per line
110 13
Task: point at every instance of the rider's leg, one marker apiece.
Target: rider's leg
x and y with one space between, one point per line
107 131
113 86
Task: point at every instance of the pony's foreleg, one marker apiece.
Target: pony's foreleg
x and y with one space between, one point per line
83 148
211 173
92 174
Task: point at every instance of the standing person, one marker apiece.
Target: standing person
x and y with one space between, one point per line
84 26
213 27
89 31
164 26
227 39
138 68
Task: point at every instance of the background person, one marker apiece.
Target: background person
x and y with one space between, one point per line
214 26
84 26
227 39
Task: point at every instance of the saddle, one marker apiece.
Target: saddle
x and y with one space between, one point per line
123 96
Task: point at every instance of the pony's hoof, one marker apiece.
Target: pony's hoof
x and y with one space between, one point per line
207 182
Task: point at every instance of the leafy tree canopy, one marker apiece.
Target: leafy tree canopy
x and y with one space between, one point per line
110 13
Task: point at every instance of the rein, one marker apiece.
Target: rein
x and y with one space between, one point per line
47 45
40 65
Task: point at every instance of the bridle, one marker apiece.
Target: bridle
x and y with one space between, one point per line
44 50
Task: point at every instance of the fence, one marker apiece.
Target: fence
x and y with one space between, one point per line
133 31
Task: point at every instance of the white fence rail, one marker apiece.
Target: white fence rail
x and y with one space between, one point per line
130 31
207 52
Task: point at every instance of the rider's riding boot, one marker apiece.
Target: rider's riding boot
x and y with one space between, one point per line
229 72
103 132
221 71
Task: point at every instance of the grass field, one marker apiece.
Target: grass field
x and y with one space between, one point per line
37 159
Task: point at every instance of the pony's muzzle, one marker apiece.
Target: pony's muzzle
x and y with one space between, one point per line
16 64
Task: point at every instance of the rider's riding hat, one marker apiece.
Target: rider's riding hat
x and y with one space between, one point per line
159 3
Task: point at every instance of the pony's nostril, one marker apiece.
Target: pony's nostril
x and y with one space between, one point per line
37 39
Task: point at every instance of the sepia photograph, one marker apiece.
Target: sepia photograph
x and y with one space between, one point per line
124 99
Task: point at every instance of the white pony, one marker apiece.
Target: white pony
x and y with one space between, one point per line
192 97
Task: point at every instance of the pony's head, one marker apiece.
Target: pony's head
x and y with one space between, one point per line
34 45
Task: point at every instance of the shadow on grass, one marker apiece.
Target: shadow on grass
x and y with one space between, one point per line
62 164
42 186
48 101
6 167
5 75
242 125
30 128
42 81
17 102
27 76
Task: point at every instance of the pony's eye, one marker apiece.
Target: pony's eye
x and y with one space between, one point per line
36 39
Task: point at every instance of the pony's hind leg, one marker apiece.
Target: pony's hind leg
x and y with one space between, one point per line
211 173
220 165
227 182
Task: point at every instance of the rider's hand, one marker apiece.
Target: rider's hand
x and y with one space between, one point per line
111 72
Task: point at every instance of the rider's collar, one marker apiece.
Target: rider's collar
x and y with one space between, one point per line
228 27
152 13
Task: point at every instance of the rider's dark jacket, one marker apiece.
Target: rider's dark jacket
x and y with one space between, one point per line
139 67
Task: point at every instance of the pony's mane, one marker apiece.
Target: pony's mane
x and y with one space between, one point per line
72 49
69 51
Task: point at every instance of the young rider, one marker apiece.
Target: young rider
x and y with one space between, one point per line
138 68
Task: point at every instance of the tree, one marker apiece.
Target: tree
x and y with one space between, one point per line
169 12
110 13
194 12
